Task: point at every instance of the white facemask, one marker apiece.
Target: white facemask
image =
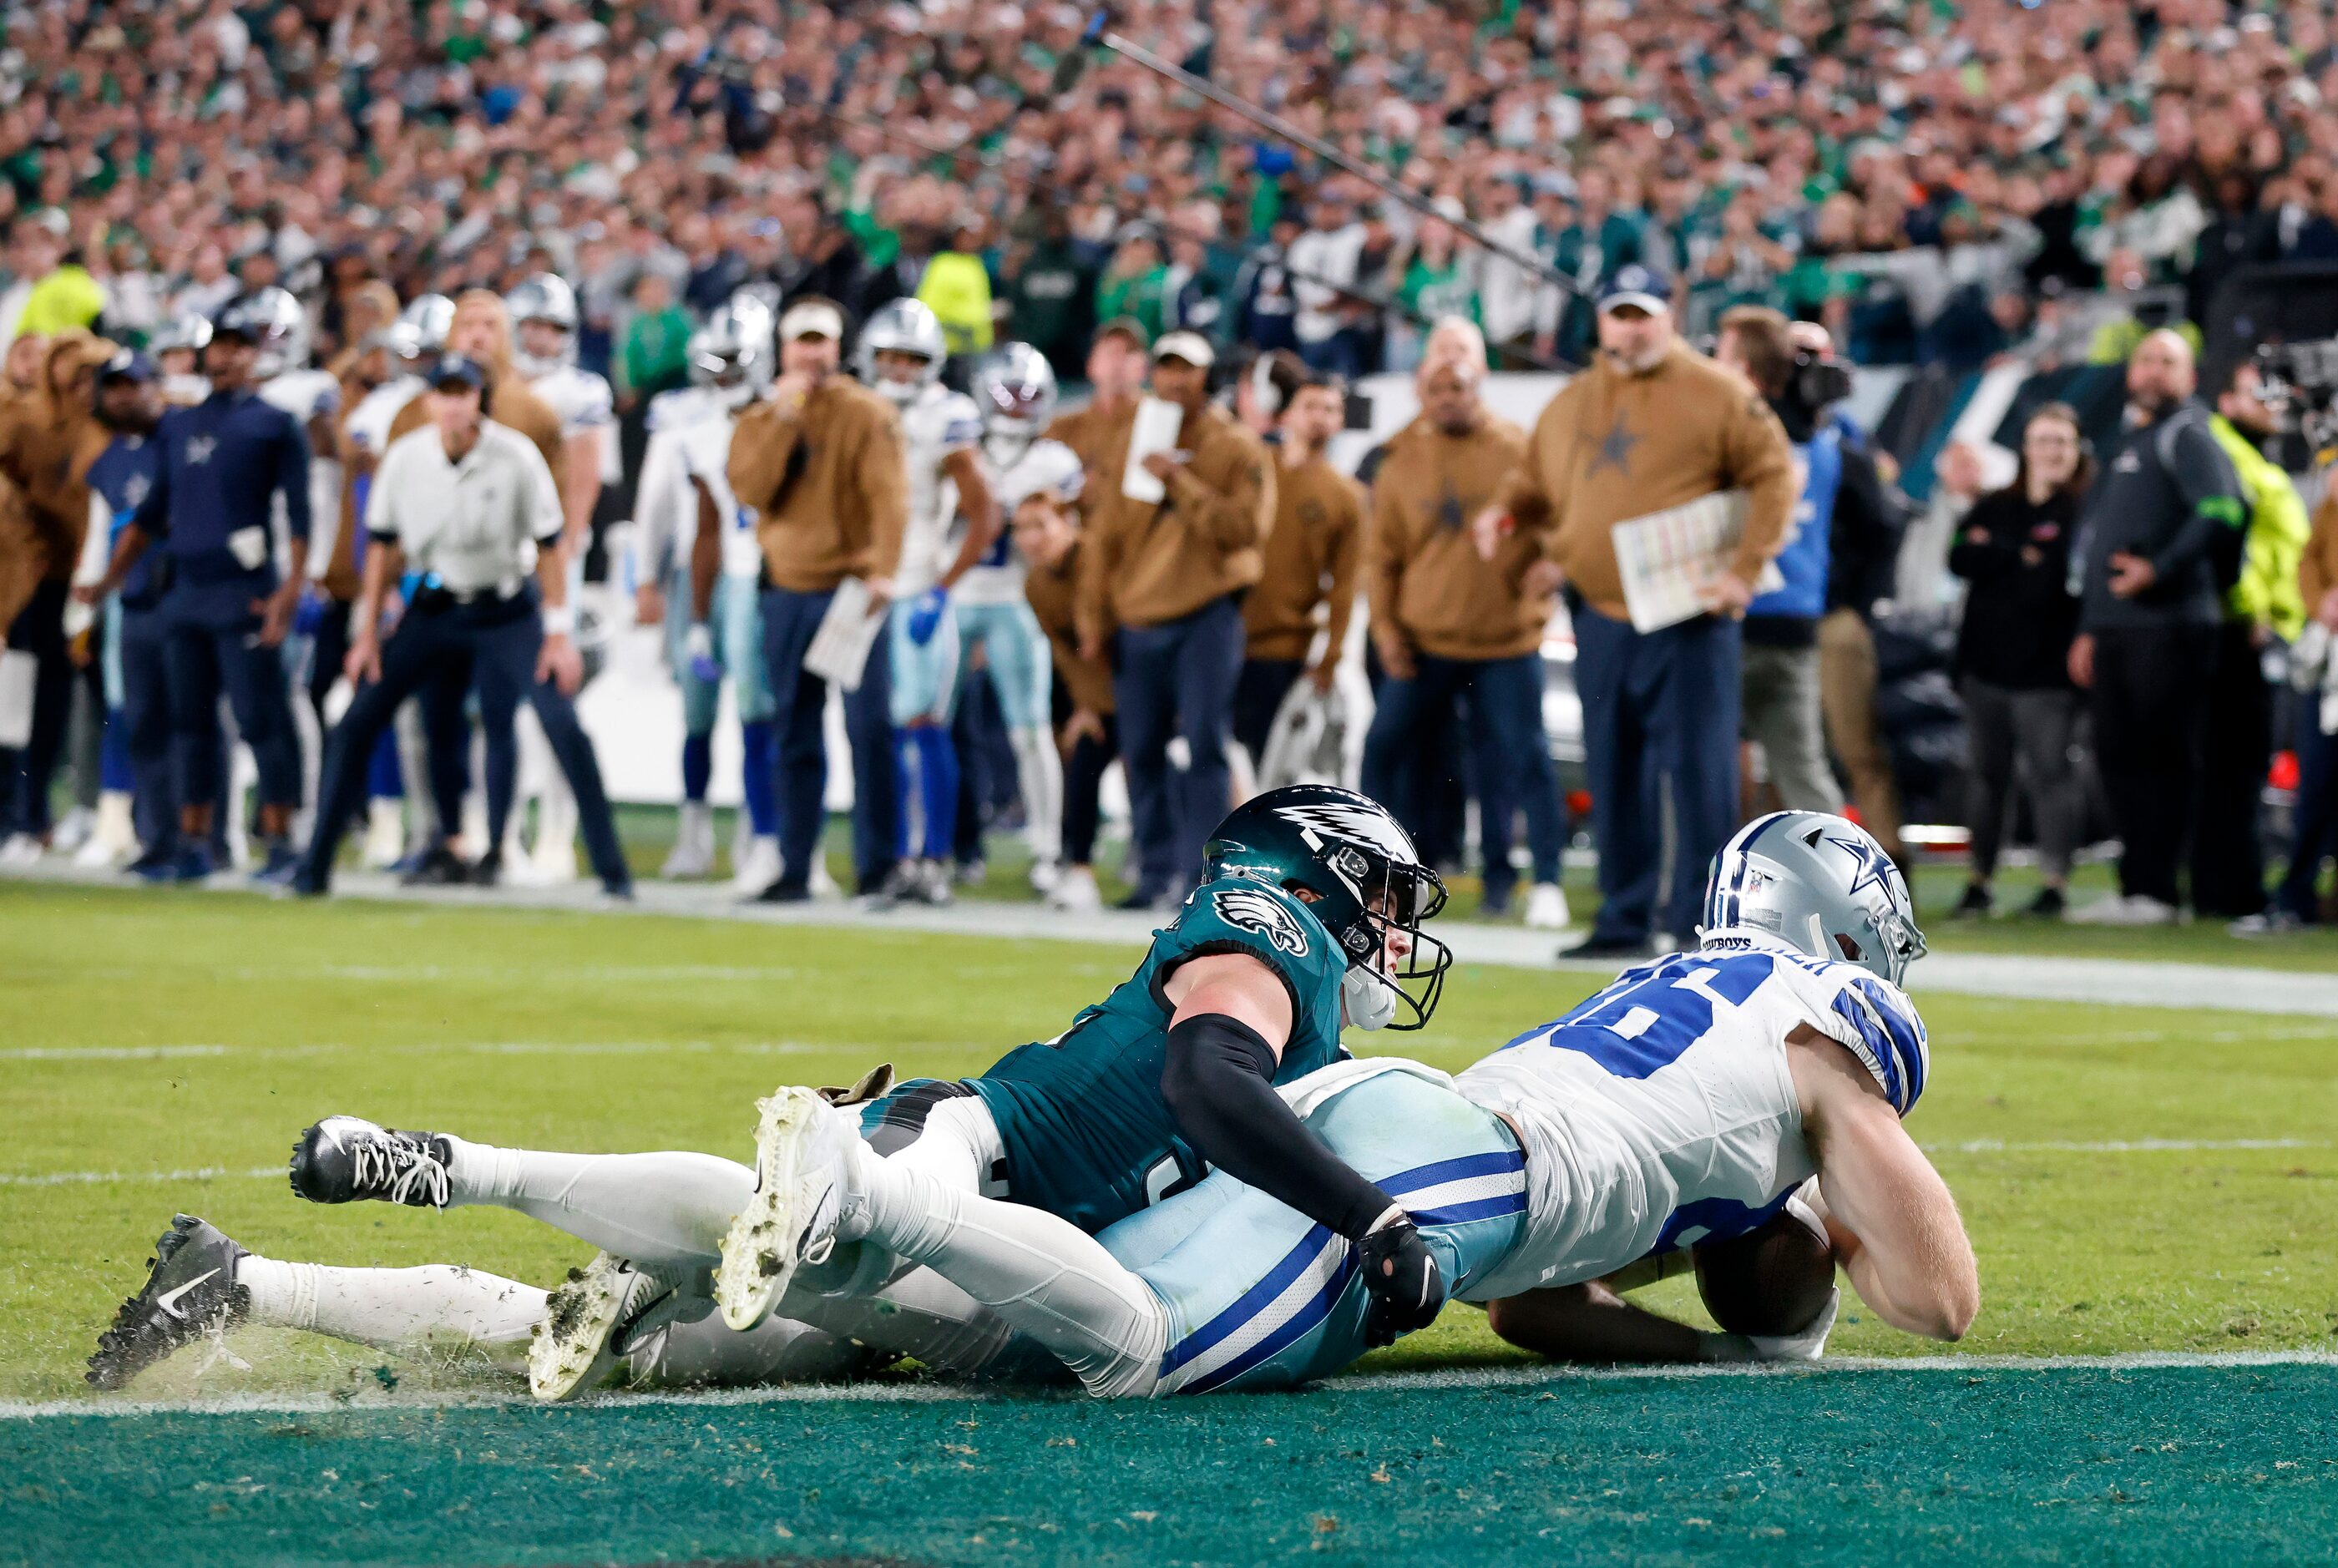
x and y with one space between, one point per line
1367 1001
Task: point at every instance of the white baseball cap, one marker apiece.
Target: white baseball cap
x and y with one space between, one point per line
812 318
1190 346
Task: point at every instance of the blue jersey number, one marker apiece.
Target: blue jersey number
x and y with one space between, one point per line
1643 1023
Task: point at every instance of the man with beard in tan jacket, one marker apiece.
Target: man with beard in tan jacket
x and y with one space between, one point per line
1651 425
1448 624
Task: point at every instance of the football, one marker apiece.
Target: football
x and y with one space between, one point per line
1772 1280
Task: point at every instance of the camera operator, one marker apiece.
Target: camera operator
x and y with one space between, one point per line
2159 545
1780 677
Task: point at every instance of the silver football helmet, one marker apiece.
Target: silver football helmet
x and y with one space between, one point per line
1015 387
1821 885
902 327
733 350
275 324
546 296
190 331
432 317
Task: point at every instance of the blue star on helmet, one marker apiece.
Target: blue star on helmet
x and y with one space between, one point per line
1874 866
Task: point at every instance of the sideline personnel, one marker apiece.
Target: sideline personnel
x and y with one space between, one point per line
224 464
470 505
1449 624
1652 423
820 461
1169 574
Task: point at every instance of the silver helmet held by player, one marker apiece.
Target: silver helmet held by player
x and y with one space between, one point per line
1015 387
903 327
432 317
732 352
274 323
1821 884
544 298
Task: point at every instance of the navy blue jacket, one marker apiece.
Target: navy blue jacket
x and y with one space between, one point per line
122 476
223 463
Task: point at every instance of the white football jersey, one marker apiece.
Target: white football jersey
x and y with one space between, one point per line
583 401
705 453
1662 1113
303 394
665 504
367 426
1041 465
307 395
937 423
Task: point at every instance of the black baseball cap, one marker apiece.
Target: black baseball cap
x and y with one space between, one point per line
458 369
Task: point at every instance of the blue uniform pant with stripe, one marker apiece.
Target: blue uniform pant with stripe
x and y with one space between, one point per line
1258 1295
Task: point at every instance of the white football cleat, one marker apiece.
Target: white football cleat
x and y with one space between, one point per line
589 1323
804 1153
113 838
2139 909
385 835
1045 875
21 850
1076 890
1547 907
73 829
759 864
693 844
821 883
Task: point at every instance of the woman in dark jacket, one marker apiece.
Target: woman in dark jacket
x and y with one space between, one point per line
2014 549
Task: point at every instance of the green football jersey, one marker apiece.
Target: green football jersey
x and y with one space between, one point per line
1086 1132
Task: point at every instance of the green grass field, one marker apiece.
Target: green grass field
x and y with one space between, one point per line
2135 1180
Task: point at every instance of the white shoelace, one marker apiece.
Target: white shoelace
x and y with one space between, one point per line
402 1167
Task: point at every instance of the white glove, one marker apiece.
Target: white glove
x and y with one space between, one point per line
1806 1345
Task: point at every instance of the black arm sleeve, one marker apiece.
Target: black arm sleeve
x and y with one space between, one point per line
1219 1082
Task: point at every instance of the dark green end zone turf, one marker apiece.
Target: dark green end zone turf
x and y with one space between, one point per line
2164 1465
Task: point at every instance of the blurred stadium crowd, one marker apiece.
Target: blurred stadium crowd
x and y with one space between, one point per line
1953 190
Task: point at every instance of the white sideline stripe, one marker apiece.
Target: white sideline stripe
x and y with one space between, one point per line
2119 1146
424 1048
1523 1377
2134 982
94 1178
1468 1189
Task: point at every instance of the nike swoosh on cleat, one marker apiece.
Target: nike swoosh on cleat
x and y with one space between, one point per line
168 1300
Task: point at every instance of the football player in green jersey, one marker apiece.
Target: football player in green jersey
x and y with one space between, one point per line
1308 918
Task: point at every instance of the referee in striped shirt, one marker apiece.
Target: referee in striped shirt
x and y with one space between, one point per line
466 508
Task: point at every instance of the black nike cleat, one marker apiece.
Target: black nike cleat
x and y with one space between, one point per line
191 1292
343 1159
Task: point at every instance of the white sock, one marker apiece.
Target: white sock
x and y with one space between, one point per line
1043 1276
664 1210
1039 774
437 1305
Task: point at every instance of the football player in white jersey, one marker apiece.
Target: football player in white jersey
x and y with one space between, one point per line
702 567
1015 389
901 354
1688 1101
411 342
544 322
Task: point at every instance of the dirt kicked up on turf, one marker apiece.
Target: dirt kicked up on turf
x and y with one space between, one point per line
2169 1465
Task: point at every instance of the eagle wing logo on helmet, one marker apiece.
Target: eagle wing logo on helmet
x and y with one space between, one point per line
1250 909
1358 823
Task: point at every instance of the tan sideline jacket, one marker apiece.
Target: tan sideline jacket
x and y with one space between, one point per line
1311 558
830 483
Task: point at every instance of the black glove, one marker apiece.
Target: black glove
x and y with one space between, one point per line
1408 1287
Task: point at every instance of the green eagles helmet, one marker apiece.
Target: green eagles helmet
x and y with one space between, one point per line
1355 868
